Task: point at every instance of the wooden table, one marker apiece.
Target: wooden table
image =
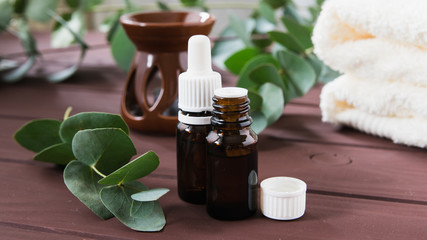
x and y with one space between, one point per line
359 186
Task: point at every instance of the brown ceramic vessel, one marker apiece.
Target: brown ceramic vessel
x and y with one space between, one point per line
160 38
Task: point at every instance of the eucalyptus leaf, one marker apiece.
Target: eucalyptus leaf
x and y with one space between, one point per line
105 149
149 195
89 120
81 180
223 49
163 6
138 168
68 72
259 121
236 61
276 3
242 29
140 209
327 74
39 134
26 38
255 100
263 26
18 73
66 29
315 63
267 73
290 11
292 90
301 33
118 200
286 40
38 10
29 45
122 49
83 4
301 73
19 6
6 15
244 81
273 102
60 153
267 12
192 3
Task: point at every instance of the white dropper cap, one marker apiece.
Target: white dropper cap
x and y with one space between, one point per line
196 86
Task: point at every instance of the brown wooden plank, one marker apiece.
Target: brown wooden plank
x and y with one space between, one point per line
34 196
330 168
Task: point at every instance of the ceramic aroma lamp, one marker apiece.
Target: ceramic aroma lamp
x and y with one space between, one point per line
160 39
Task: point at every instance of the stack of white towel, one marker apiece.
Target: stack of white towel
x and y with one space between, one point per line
381 47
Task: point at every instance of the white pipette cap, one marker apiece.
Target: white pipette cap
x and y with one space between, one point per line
196 86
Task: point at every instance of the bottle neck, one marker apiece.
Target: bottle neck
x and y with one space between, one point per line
231 113
195 118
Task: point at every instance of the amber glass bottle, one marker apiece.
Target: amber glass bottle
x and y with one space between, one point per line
232 161
191 156
195 91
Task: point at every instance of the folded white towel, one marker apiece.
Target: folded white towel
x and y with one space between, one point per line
374 39
387 109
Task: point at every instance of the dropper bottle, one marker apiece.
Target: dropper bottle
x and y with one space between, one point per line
195 91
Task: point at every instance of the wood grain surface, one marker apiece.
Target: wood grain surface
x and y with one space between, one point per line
359 186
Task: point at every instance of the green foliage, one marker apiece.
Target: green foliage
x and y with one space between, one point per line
122 48
39 134
68 29
274 65
146 216
96 149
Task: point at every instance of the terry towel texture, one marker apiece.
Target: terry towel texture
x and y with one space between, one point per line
381 46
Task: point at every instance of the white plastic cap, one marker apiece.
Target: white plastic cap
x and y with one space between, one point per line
283 198
196 86
231 92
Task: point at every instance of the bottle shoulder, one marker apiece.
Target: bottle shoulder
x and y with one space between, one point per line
243 137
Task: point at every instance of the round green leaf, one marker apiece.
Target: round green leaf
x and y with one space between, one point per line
138 168
267 12
81 180
327 74
37 10
242 29
60 153
244 81
275 3
122 49
38 134
90 120
6 15
106 149
19 6
273 102
263 26
301 73
255 100
61 35
267 73
150 195
286 40
236 61
301 33
259 122
118 200
141 209
223 49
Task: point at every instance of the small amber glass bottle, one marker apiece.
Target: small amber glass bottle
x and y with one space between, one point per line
191 155
195 91
232 161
